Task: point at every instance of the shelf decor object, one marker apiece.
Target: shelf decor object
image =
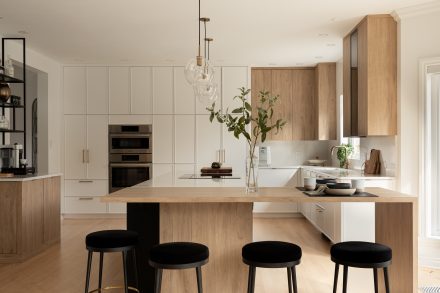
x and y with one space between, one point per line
238 122
199 72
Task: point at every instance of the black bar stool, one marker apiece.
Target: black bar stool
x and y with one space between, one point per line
111 241
178 256
272 254
360 254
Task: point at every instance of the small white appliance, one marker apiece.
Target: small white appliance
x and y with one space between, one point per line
265 156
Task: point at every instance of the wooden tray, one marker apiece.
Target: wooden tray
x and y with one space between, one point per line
323 194
6 175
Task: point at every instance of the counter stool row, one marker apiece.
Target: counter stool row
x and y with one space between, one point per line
263 254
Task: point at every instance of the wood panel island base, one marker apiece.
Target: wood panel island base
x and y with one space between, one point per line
221 218
29 216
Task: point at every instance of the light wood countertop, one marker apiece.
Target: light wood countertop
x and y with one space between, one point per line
178 194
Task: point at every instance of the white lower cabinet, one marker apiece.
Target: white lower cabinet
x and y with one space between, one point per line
83 196
277 178
84 205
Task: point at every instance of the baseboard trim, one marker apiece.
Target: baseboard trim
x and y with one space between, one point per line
278 215
94 216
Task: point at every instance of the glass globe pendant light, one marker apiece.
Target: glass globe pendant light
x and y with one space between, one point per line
199 72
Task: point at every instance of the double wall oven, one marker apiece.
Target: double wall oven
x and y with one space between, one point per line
130 155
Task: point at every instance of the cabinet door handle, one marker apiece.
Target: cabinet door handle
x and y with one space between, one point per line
85 198
84 155
85 181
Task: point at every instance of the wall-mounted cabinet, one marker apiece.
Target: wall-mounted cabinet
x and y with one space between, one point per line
370 77
307 100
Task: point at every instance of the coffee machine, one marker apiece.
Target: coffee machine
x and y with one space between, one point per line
6 157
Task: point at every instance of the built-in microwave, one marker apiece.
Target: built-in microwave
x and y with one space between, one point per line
134 139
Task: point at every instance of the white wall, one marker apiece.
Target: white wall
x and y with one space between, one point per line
53 110
419 38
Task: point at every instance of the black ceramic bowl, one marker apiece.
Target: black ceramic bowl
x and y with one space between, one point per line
339 185
325 181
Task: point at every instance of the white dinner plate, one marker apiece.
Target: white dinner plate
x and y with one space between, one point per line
334 191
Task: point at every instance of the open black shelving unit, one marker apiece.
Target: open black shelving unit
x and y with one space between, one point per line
3 106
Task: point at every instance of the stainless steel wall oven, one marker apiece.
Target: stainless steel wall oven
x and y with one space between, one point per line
130 155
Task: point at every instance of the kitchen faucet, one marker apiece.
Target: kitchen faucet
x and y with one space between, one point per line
345 151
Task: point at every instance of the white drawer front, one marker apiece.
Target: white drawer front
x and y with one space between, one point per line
84 205
86 187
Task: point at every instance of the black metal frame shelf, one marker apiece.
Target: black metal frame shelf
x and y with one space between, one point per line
9 79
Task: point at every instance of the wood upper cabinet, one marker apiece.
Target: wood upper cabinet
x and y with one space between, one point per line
370 78
325 93
307 100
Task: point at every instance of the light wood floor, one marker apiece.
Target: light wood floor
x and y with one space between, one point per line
62 267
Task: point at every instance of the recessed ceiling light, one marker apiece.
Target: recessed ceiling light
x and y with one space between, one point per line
22 32
323 35
318 57
331 44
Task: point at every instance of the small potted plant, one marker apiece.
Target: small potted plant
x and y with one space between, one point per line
239 120
343 155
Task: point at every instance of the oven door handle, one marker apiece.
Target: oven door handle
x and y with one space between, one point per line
125 135
123 165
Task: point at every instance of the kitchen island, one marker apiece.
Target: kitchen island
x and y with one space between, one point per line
212 212
29 215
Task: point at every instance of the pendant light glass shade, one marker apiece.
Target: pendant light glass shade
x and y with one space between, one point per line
206 92
195 73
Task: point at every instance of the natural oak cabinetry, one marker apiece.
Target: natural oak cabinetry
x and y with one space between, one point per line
370 77
29 217
307 100
325 93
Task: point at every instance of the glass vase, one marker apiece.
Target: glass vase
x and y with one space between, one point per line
251 174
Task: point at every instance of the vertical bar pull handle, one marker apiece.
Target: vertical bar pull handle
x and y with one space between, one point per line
84 155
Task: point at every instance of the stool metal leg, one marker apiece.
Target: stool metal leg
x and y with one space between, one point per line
293 272
199 279
249 280
89 267
124 261
136 280
344 285
101 264
335 282
158 280
253 273
289 279
387 283
376 288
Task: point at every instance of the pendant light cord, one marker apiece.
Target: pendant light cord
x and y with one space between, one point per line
199 27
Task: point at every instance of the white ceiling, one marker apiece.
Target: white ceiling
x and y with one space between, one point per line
245 32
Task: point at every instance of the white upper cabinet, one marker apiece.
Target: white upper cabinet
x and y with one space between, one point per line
162 90
233 78
184 99
163 139
97 146
97 90
119 90
75 146
208 140
141 90
200 107
184 138
74 88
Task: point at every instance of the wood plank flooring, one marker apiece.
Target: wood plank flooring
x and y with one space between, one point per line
62 267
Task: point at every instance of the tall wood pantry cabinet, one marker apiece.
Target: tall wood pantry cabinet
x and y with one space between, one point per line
370 77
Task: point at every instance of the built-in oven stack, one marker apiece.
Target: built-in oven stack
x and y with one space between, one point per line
130 155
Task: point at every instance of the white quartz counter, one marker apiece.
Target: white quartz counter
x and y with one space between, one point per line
29 177
337 173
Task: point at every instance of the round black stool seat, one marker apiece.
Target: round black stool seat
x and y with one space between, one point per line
361 253
271 254
111 240
179 254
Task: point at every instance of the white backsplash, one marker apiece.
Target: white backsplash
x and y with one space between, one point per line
293 153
